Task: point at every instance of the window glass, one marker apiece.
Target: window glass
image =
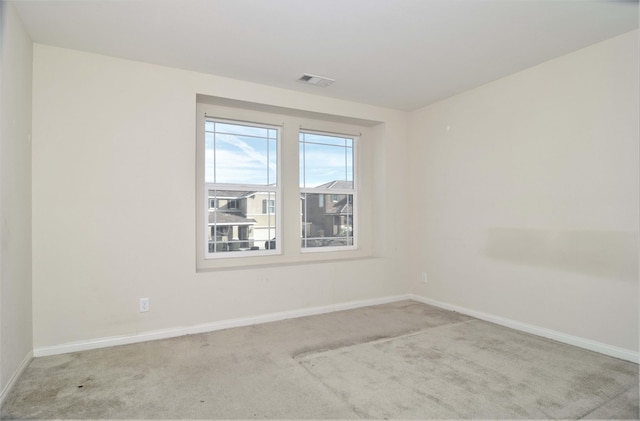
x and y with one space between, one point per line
327 190
240 174
240 154
327 226
325 159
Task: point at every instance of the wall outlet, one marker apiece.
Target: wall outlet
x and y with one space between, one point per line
423 277
144 305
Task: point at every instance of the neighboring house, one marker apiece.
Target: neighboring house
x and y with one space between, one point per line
327 218
240 220
246 220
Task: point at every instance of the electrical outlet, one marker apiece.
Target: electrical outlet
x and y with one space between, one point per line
423 277
144 305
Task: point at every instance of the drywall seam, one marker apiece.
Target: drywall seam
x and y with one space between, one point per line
16 376
208 327
602 348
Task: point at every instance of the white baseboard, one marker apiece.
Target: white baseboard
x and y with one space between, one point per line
209 327
599 347
602 348
23 366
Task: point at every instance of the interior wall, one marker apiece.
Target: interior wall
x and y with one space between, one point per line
526 190
15 196
114 204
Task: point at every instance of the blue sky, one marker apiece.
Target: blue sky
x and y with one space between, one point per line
325 158
248 155
244 154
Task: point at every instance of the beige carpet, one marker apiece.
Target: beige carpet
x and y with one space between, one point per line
476 370
400 360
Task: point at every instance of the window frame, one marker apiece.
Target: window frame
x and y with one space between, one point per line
248 188
333 194
290 120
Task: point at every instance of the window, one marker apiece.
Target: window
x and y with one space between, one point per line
327 169
240 174
281 186
268 206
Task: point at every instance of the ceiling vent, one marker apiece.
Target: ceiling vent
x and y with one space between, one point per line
321 81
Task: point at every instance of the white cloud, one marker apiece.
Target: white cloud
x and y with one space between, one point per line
238 162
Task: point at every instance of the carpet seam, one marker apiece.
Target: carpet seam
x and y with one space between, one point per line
334 392
303 355
605 402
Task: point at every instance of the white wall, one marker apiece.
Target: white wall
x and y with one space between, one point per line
526 190
114 204
15 197
524 195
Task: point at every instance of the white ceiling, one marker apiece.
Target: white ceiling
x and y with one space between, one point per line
400 54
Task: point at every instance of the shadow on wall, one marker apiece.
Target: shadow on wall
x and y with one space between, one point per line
605 254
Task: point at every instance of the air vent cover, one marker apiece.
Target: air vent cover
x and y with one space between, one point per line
321 81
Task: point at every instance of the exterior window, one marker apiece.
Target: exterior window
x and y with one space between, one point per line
327 169
268 206
247 216
240 171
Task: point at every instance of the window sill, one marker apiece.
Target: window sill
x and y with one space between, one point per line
306 257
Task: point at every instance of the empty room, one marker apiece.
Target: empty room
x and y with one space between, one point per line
328 209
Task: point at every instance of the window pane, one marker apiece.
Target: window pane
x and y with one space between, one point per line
209 169
272 176
240 221
325 159
239 154
327 223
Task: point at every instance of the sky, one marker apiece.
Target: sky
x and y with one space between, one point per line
247 155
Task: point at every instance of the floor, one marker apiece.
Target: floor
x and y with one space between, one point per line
400 360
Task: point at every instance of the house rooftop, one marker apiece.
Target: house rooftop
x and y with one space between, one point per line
226 218
337 184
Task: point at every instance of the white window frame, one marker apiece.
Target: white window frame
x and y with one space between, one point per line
336 192
288 210
240 187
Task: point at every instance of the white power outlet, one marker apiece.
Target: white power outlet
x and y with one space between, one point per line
144 305
423 277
